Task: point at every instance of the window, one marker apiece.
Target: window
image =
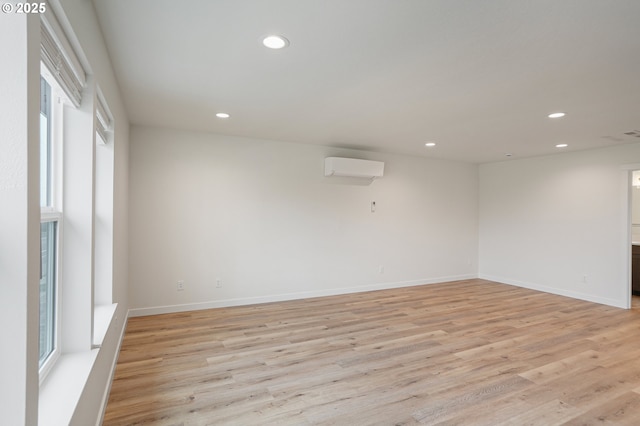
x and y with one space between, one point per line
50 231
48 240
45 143
62 80
103 215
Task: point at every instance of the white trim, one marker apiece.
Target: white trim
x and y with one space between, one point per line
58 98
49 364
53 214
51 360
553 290
112 372
136 312
627 248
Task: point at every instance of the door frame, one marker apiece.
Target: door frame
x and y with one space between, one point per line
627 187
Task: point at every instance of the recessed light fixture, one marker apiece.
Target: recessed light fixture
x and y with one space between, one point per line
556 115
562 145
275 42
222 115
430 144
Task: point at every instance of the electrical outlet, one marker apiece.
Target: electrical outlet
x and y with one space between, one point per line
180 285
218 283
381 269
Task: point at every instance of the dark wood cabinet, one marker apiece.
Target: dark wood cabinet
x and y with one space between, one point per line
635 270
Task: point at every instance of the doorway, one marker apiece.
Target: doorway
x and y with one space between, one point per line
634 213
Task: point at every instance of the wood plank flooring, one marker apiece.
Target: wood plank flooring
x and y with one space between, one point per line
465 353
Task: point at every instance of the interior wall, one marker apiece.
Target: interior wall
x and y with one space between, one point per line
81 17
559 223
83 20
20 223
260 218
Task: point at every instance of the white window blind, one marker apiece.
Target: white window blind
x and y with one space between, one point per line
104 121
59 57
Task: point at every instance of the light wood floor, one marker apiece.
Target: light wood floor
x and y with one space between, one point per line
470 352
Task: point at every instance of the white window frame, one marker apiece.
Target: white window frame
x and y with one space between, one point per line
53 212
46 217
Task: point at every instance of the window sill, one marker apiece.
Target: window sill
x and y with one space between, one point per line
61 390
102 317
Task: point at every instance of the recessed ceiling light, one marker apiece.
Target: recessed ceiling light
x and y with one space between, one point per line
557 115
275 42
222 115
562 145
430 144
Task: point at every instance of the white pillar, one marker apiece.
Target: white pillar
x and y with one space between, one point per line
19 217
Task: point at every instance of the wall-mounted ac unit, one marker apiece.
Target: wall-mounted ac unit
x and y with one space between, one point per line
352 167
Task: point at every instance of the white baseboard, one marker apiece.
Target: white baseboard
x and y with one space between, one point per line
136 312
560 292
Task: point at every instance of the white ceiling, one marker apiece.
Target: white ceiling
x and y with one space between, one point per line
477 77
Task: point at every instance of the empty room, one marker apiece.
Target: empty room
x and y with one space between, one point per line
338 212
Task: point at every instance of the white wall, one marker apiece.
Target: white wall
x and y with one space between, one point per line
21 395
20 218
81 17
83 20
546 223
261 217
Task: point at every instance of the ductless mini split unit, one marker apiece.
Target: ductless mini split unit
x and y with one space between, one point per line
353 167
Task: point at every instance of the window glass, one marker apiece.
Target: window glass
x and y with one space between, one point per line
48 232
48 237
45 143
